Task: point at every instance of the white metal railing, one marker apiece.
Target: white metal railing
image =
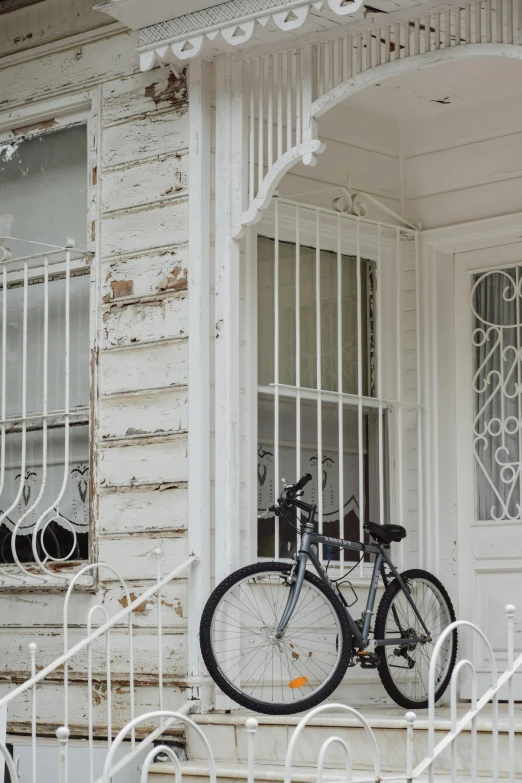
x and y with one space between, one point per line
27 712
373 761
44 410
155 723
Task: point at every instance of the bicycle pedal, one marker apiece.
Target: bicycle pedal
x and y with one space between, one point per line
368 660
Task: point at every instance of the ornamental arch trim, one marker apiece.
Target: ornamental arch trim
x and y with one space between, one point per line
285 93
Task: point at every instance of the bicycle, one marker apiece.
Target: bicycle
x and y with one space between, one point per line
278 639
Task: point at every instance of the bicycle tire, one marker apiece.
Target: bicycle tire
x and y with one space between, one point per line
228 687
392 591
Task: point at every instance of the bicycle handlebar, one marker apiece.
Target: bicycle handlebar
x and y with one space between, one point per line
301 484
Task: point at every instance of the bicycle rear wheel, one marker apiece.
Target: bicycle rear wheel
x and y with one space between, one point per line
258 671
404 669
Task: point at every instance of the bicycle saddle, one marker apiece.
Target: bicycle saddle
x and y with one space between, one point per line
385 533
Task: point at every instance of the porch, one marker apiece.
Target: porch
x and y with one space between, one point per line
348 315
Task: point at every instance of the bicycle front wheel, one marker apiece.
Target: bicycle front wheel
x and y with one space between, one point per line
404 668
258 671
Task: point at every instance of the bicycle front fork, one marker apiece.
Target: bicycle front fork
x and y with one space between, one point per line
293 597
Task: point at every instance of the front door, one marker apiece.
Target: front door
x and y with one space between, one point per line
488 323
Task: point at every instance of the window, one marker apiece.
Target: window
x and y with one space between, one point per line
321 408
44 327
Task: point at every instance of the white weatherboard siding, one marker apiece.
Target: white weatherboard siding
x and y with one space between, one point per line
139 177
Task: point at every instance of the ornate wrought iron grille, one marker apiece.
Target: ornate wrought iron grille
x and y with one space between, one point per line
45 387
496 302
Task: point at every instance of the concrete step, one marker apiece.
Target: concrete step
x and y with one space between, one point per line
227 736
197 772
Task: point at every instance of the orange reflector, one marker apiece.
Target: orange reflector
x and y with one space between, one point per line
298 682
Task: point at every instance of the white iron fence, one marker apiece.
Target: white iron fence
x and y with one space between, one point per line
124 751
44 410
93 670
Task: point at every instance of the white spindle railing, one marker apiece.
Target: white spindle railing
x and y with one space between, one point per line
285 92
483 22
157 722
44 393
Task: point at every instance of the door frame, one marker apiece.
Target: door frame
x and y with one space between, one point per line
438 249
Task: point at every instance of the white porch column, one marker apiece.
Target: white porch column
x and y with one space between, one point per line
230 185
199 351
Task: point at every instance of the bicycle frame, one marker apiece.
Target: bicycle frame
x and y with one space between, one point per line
306 551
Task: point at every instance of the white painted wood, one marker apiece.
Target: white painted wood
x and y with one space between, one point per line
227 406
456 168
53 20
148 321
136 554
68 71
161 226
158 180
145 138
144 274
145 462
477 147
50 708
136 368
143 93
129 510
144 646
45 607
145 413
355 126
490 554
199 351
491 117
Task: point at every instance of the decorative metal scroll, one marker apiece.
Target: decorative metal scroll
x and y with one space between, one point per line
496 302
44 409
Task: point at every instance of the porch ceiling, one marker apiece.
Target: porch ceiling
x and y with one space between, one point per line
441 88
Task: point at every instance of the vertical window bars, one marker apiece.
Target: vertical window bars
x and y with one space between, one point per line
338 372
44 450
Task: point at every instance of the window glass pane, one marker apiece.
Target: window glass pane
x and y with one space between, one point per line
287 295
43 188
79 345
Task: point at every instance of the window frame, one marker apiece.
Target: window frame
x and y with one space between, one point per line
36 120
